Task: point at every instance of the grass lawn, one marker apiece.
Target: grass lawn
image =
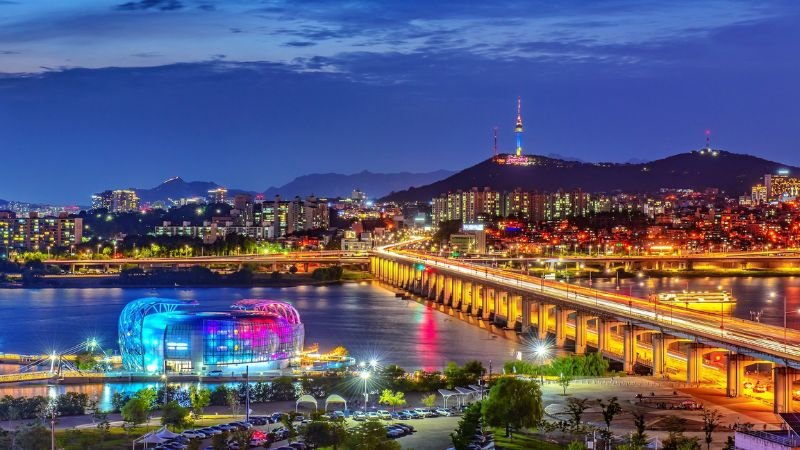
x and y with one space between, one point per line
522 442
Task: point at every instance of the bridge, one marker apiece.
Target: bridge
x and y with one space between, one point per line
677 340
739 261
305 260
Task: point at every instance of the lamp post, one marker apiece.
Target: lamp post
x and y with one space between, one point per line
365 377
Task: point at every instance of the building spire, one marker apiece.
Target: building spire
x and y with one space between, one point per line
518 126
708 139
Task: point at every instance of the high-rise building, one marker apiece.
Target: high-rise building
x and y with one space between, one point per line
36 233
124 200
758 194
781 186
244 210
217 195
103 200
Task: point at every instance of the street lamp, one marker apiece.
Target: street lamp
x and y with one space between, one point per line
166 392
365 376
542 351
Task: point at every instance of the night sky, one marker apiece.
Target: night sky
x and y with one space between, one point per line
108 94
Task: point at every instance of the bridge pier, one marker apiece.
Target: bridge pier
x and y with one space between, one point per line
783 380
735 373
526 314
660 346
581 330
628 348
694 362
541 320
561 326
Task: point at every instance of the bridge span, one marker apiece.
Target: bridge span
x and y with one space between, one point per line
533 306
304 259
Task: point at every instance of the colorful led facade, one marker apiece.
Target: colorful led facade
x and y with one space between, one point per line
260 334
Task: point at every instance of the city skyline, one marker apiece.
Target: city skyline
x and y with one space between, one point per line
337 89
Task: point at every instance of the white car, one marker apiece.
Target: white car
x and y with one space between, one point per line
443 412
373 415
422 412
194 434
385 415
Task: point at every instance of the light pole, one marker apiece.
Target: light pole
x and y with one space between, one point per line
365 377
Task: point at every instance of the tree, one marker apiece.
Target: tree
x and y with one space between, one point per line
288 421
513 404
242 437
609 410
711 420
639 438
200 398
370 435
148 395
320 434
136 411
232 398
576 407
730 444
393 399
467 426
429 400
175 415
282 389
564 381
220 441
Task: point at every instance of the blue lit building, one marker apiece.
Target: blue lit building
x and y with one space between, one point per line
158 335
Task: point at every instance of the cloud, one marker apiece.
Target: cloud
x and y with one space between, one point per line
299 44
163 5
9 52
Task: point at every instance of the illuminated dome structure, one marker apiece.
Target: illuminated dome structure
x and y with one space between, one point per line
158 335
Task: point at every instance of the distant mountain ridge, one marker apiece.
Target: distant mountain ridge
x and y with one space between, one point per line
322 185
731 172
375 185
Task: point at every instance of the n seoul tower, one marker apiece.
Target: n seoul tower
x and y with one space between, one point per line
518 127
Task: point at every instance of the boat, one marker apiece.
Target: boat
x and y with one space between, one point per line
713 301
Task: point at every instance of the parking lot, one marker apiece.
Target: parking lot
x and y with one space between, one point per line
431 433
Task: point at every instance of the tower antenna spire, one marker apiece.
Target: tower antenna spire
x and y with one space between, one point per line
708 139
518 126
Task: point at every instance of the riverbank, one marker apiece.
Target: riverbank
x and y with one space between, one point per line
114 280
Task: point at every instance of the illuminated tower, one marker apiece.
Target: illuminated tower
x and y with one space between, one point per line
518 127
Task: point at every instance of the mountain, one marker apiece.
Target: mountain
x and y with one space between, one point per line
730 172
176 188
320 184
337 185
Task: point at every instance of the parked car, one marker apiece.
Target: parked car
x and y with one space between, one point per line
403 415
410 428
373 415
359 415
443 412
760 388
422 412
385 415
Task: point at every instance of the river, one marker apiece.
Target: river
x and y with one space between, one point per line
365 318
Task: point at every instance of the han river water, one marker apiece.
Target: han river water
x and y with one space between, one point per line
365 318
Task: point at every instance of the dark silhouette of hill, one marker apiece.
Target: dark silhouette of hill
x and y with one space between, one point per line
320 184
338 185
176 188
730 172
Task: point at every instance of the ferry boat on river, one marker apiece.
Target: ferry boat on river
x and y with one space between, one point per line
712 301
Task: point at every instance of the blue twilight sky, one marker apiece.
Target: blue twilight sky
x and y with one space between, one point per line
251 93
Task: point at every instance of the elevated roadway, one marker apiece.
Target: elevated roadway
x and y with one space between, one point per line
464 282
